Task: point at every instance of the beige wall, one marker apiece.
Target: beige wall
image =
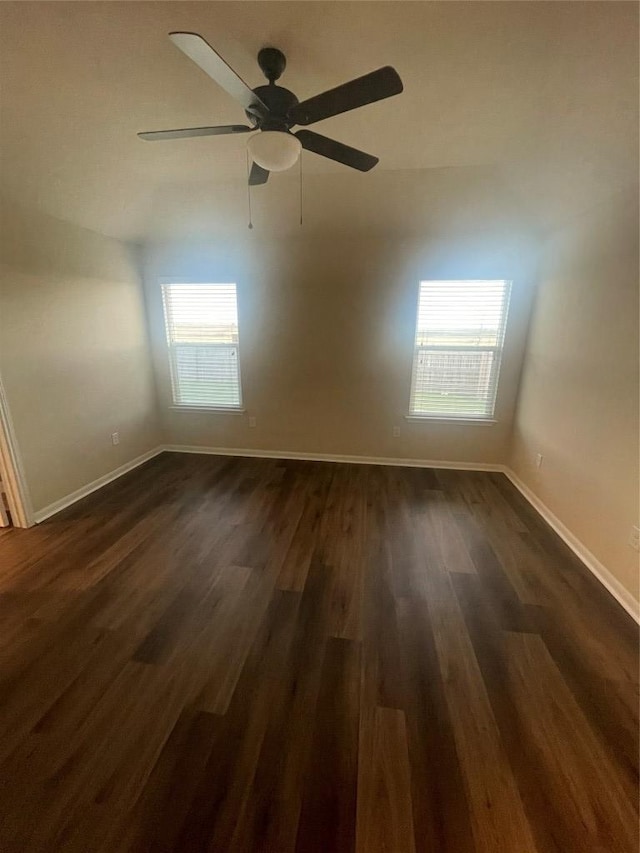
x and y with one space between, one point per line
327 320
73 352
578 404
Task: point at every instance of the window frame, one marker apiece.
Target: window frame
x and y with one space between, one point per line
496 365
171 357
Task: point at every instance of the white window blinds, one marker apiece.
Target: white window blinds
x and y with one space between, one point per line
202 336
458 348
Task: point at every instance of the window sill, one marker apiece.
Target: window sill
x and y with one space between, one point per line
451 420
225 410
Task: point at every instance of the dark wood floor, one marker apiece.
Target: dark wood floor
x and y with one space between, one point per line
217 654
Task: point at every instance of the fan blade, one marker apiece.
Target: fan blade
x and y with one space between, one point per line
375 86
197 49
257 175
336 150
188 132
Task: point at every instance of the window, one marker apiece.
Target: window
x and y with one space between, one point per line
202 336
458 348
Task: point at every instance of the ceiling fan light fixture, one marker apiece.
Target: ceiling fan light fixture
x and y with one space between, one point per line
274 150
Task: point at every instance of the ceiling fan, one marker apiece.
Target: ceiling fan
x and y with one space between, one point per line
273 110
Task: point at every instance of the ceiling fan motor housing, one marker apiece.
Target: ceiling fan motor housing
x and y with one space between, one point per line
279 101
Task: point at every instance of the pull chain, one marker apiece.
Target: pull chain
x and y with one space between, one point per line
250 226
301 189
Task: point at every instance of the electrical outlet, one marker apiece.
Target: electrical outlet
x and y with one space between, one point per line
115 438
634 538
396 432
252 422
539 458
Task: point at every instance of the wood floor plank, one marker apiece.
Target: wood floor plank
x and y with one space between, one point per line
506 602
497 813
105 761
381 636
328 817
488 638
227 645
523 564
343 548
447 538
256 655
27 697
610 705
385 820
407 557
269 817
212 790
302 546
167 798
441 815
576 766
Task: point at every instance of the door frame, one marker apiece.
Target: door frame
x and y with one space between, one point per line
12 470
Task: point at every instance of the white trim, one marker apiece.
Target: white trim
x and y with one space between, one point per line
216 410
11 462
333 457
606 578
416 419
66 501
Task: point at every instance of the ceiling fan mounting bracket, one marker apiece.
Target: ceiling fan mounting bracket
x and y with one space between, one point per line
272 62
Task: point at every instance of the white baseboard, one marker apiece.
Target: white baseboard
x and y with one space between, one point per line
332 457
606 578
66 501
63 503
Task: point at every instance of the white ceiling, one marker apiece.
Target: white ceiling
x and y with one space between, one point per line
545 92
